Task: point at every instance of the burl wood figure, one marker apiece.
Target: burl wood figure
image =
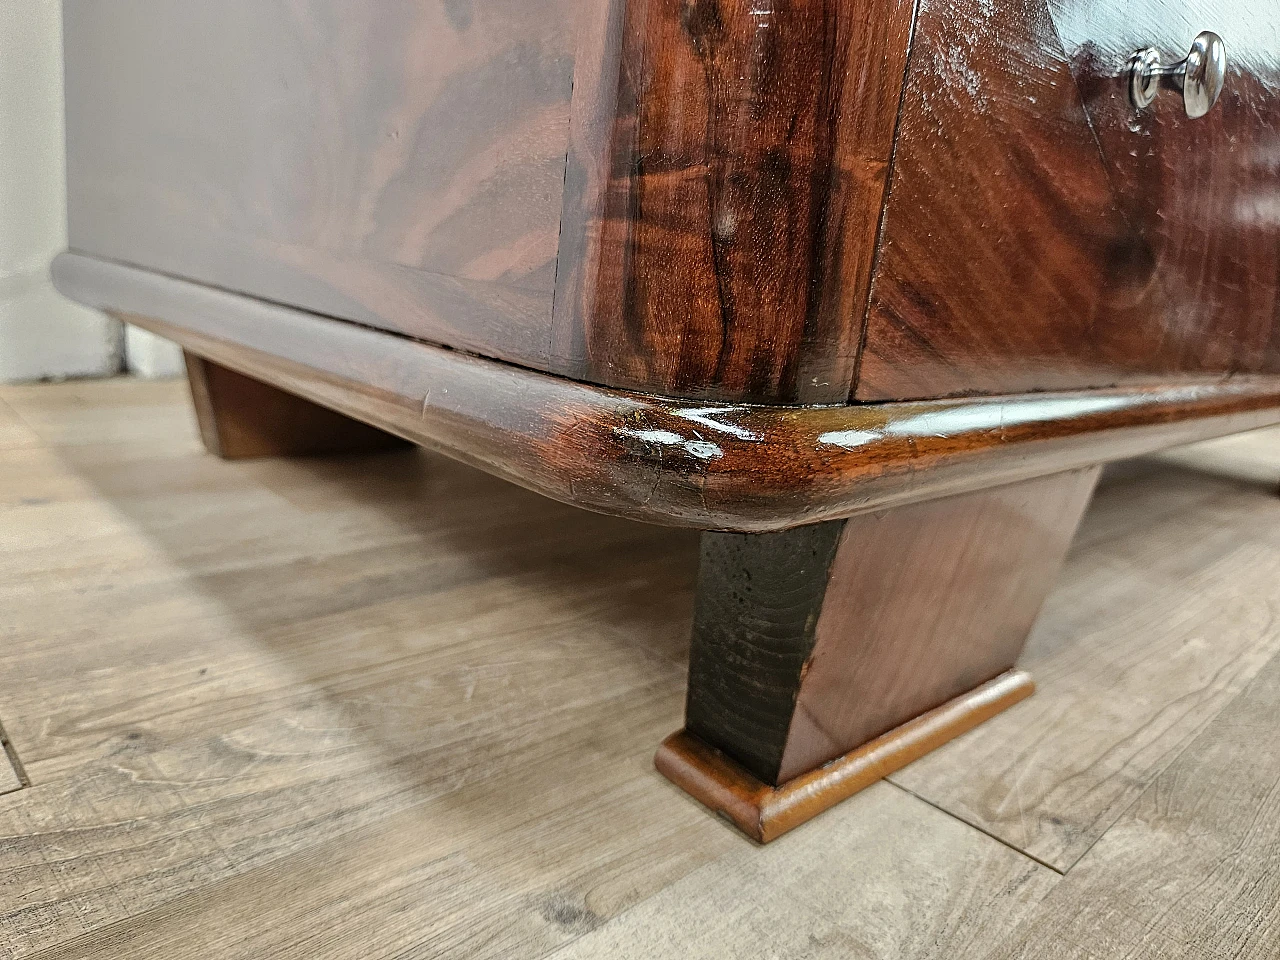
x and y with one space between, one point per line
868 290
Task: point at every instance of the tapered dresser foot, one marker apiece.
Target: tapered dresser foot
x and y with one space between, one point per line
240 417
828 656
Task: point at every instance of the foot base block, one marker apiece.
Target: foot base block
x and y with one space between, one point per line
765 812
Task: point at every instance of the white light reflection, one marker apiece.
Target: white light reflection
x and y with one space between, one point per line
704 417
946 423
849 439
952 421
701 449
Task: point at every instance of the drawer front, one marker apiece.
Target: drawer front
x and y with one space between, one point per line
397 163
1041 233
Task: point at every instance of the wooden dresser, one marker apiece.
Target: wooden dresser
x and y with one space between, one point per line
866 289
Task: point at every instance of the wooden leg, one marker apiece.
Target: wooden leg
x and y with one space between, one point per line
826 657
241 417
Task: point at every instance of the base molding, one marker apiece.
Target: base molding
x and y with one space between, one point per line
765 812
676 462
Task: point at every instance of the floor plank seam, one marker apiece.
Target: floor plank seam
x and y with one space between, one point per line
1133 801
1176 755
998 839
17 415
15 761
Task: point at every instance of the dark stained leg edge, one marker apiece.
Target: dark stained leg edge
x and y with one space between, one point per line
240 417
828 656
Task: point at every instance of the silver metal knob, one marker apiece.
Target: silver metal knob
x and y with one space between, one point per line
1200 76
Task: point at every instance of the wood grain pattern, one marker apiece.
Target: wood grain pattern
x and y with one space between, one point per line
765 812
727 168
815 641
753 633
8 777
1197 191
927 602
240 417
859 886
1189 871
117 413
703 465
248 692
700 220
1163 614
726 200
1039 235
358 774
398 164
1001 225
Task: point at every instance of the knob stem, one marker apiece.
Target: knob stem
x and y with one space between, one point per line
1199 77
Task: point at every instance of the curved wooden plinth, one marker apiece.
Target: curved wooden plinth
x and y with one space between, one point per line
658 459
764 812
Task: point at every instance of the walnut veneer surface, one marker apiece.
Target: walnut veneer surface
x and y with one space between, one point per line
737 200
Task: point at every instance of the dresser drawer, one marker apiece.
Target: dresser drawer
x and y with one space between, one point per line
1042 233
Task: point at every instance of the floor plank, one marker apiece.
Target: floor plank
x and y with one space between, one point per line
218 667
937 887
1165 611
1193 868
882 878
121 410
391 707
258 567
9 778
510 856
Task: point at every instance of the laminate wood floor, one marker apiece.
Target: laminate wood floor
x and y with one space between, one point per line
389 707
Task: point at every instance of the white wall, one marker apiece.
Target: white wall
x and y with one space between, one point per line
147 355
42 334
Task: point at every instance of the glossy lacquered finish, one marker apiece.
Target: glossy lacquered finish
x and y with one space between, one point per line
727 171
1041 233
679 197
735 200
712 466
